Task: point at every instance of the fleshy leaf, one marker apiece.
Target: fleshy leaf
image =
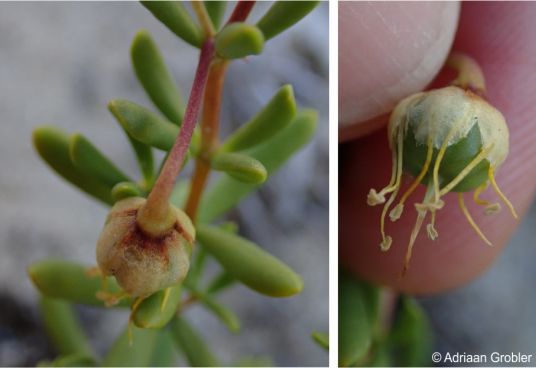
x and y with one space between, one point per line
283 15
249 263
411 335
216 10
158 309
192 344
52 144
155 77
227 192
239 166
124 190
144 125
355 325
238 40
137 352
176 19
278 113
71 281
63 327
321 338
88 159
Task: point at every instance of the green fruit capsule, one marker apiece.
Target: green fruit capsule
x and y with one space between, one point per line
450 140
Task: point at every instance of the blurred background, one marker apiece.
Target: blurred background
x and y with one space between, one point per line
60 63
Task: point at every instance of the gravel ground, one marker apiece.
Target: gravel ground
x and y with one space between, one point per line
60 63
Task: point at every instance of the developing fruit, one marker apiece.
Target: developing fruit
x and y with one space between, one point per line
142 263
451 140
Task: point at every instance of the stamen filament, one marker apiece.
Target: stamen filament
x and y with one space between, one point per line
499 192
470 219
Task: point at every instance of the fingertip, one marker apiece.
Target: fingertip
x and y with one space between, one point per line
388 51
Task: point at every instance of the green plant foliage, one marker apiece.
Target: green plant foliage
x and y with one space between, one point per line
158 309
273 153
322 339
136 350
70 360
238 40
176 19
216 10
63 328
248 263
88 159
240 166
164 354
192 344
283 15
144 125
274 117
70 281
144 155
357 319
155 77
52 144
411 335
124 190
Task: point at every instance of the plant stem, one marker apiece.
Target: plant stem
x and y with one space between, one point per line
209 134
470 75
204 18
153 217
241 11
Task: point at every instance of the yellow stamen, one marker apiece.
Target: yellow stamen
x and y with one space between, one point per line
490 208
498 191
165 299
422 209
386 240
397 211
470 219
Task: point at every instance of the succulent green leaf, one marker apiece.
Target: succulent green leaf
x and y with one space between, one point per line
219 310
381 356
176 19
144 156
411 335
239 166
249 263
180 193
196 269
238 40
283 15
192 344
52 144
355 325
155 78
158 309
273 118
322 339
63 327
137 352
220 282
71 360
87 158
70 281
124 190
164 354
227 192
144 125
216 10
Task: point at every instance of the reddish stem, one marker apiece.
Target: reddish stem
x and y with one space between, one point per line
157 205
241 11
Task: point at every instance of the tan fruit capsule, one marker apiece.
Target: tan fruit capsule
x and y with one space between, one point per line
449 139
142 263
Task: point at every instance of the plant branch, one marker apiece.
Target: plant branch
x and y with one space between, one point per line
157 206
241 11
209 134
